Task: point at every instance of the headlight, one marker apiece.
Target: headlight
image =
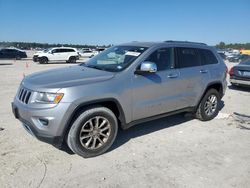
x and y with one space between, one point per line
51 98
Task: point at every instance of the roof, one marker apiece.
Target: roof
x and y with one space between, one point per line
150 44
141 44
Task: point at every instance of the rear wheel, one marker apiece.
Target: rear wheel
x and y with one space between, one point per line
93 132
72 60
209 106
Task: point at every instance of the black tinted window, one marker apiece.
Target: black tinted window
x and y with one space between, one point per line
56 51
162 58
187 57
67 50
87 51
9 50
62 50
208 57
246 61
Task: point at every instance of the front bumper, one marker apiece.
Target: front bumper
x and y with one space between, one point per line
46 124
240 82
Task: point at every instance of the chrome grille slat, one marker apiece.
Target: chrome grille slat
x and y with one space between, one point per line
24 95
21 93
27 97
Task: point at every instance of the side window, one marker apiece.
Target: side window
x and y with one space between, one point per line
56 51
188 57
208 57
163 58
67 50
9 51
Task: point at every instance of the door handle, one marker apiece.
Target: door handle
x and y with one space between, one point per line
203 71
172 75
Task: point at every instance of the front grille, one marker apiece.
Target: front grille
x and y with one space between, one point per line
24 95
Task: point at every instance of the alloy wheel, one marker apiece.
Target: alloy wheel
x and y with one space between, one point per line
210 105
95 132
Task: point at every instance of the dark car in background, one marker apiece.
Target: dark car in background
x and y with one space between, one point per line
240 74
7 53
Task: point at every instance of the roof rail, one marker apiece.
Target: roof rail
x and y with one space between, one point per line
186 42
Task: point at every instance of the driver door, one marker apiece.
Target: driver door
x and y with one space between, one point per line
157 93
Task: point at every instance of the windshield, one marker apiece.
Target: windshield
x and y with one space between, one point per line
246 62
46 50
115 59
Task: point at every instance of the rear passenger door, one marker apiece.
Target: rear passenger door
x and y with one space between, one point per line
210 64
193 74
67 53
63 54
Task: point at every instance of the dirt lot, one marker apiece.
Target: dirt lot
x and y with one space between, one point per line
176 151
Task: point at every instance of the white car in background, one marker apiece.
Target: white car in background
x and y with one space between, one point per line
87 52
70 55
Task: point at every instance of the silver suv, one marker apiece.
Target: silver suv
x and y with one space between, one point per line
83 105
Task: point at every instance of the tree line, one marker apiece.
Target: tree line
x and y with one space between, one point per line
34 45
223 45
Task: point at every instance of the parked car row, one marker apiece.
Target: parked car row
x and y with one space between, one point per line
234 56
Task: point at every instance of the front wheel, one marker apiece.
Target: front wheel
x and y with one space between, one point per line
43 60
209 106
93 132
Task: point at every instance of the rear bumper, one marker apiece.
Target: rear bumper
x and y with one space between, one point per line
240 82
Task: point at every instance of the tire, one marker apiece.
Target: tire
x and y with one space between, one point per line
208 110
43 60
18 57
81 128
72 59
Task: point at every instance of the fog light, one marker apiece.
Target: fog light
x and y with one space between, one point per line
45 122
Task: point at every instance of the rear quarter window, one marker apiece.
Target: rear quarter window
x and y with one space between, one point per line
208 57
69 50
187 57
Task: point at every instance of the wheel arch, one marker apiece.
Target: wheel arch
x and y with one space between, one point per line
213 85
44 57
109 103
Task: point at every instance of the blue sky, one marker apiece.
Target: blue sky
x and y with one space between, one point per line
118 21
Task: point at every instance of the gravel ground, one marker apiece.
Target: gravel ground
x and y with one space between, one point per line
176 151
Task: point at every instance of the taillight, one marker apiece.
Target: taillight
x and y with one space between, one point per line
231 72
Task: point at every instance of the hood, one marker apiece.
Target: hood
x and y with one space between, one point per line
41 53
38 52
65 77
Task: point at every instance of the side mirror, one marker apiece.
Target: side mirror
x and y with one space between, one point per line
147 67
